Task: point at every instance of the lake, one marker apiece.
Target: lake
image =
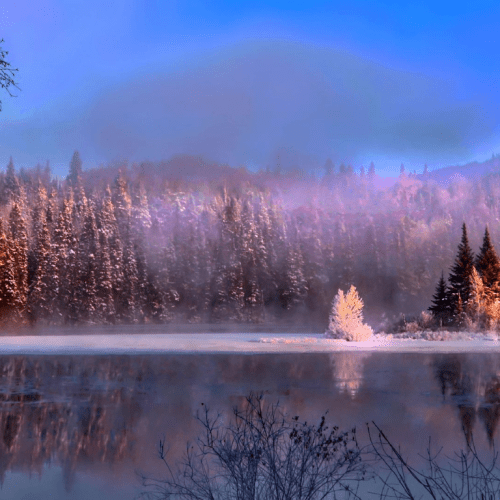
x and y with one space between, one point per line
81 426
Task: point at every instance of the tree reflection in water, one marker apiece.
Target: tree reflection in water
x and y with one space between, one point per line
41 421
474 388
348 370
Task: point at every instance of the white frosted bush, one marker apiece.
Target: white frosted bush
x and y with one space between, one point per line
346 318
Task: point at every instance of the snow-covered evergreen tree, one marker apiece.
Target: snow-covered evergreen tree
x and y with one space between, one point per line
108 226
105 306
86 286
42 290
346 318
64 245
128 310
122 204
11 189
19 253
9 294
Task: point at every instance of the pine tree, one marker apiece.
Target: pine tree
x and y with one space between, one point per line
128 309
460 276
75 170
9 294
441 306
122 204
488 263
371 172
19 253
105 306
109 227
64 244
140 224
85 291
11 189
41 293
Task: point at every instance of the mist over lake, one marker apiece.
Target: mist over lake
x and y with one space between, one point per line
80 426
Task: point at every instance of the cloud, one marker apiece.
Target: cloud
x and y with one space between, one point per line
246 103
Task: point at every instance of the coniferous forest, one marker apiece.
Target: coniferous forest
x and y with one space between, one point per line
188 241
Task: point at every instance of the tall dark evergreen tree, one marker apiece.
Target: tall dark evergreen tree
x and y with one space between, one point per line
488 263
441 305
461 273
40 299
11 183
75 170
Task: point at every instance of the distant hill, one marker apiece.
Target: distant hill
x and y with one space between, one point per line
470 171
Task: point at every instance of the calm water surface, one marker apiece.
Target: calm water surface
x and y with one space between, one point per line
80 426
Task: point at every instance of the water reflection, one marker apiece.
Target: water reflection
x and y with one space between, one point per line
474 388
347 368
66 412
103 415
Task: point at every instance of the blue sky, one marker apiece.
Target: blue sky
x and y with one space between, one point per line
252 83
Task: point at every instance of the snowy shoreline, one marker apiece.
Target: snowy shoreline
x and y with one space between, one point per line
236 343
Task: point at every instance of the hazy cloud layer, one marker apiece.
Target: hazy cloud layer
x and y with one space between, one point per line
264 102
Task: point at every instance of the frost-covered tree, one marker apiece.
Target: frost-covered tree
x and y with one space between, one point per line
65 246
87 251
11 183
108 226
19 254
122 204
9 295
346 318
478 300
128 309
42 289
105 306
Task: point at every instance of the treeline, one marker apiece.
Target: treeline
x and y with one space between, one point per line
142 243
471 298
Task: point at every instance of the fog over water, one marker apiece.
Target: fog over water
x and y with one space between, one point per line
75 422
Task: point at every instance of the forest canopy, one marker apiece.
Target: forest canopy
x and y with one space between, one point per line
189 241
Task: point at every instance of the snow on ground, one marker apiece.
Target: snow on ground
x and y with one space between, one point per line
243 343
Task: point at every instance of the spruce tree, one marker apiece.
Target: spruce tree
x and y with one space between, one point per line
19 254
75 170
109 227
9 294
40 298
88 247
105 306
128 310
65 248
460 276
11 184
488 263
441 304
